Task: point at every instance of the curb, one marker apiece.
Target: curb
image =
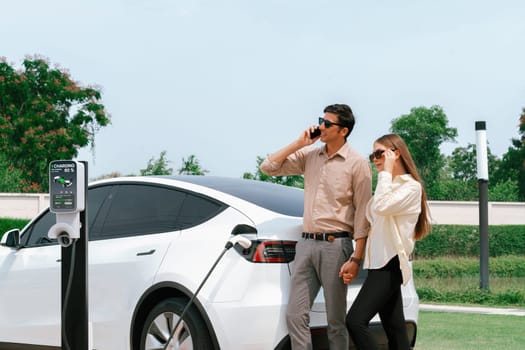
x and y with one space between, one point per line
472 309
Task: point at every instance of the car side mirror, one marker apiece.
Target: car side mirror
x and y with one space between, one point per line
11 238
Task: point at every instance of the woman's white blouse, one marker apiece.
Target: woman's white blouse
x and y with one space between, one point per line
394 209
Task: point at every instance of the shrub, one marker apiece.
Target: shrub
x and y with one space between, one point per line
8 224
463 240
472 296
452 267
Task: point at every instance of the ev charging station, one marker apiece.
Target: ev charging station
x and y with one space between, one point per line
68 198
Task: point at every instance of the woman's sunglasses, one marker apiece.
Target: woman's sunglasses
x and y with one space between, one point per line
328 123
377 154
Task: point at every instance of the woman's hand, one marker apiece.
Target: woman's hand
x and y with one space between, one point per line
349 271
390 159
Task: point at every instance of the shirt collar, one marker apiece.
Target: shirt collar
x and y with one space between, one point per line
405 177
343 151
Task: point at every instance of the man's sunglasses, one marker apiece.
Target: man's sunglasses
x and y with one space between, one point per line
328 123
376 154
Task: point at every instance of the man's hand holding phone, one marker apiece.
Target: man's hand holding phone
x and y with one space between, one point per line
315 133
309 136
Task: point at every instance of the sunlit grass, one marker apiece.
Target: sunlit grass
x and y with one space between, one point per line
460 331
496 284
457 280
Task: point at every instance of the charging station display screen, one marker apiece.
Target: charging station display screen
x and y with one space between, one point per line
63 178
63 201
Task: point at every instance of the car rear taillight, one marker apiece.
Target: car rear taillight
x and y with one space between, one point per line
270 251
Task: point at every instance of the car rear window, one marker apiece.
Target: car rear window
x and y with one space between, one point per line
278 198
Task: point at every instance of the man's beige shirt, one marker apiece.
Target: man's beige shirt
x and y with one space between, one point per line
336 189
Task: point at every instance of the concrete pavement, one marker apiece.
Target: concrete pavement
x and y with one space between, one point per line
472 309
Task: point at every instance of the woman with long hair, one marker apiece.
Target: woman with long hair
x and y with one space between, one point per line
399 216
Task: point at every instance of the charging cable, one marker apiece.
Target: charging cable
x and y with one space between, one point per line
245 243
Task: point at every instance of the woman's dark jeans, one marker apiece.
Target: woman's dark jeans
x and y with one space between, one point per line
380 293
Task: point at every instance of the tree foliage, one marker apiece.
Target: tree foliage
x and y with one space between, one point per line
504 191
513 161
44 115
290 180
424 130
191 166
9 177
157 166
462 182
448 189
463 163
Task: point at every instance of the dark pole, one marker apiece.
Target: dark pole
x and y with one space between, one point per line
483 181
75 327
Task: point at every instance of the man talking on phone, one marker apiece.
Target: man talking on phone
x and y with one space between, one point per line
337 187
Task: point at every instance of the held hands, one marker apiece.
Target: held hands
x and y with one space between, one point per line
349 271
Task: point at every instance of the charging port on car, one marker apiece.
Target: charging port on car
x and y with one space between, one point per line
269 251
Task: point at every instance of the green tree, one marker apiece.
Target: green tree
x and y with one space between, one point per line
448 189
424 130
462 168
513 161
463 163
504 191
290 180
44 115
9 177
157 166
191 166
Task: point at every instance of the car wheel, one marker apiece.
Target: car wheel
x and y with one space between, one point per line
191 333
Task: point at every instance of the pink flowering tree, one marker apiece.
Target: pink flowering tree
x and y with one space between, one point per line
44 115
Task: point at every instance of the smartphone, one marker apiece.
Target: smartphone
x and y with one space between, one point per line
315 133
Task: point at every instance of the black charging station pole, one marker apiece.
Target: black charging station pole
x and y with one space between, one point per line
75 324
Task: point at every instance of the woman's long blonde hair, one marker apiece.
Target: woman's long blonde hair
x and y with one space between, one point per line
395 142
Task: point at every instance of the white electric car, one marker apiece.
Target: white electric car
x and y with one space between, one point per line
152 241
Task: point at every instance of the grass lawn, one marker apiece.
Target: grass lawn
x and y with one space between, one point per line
460 331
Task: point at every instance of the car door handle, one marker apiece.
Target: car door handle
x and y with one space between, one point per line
146 253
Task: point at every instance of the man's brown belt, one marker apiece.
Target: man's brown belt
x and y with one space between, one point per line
325 236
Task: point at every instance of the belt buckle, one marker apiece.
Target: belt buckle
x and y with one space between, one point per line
330 238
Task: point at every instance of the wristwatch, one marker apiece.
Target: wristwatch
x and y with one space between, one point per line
356 260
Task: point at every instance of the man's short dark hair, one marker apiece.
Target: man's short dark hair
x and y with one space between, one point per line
344 114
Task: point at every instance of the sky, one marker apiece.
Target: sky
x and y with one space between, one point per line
228 81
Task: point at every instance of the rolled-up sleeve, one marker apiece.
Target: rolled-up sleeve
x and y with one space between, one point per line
362 185
270 168
293 165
